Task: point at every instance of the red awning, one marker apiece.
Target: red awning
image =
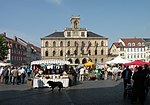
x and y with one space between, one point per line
137 62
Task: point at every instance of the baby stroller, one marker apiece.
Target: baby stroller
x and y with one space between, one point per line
128 91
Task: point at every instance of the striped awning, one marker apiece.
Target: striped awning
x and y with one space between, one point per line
50 61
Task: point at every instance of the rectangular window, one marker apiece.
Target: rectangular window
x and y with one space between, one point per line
82 34
134 56
68 34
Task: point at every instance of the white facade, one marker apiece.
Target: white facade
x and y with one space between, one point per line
134 50
135 53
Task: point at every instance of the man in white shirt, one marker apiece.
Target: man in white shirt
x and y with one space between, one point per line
81 77
115 73
1 76
23 75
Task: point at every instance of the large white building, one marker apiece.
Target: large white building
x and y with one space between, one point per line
129 48
75 44
147 49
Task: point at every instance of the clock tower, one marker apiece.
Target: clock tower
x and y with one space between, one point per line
75 31
75 22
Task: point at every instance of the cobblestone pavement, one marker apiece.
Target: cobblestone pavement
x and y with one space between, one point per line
86 93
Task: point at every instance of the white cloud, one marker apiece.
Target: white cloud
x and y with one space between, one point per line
57 2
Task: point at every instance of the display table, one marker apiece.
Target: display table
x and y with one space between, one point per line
42 82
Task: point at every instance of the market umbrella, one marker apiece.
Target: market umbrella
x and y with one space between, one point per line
137 62
88 63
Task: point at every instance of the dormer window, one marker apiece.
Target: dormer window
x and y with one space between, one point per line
129 44
133 44
139 44
82 34
68 34
143 44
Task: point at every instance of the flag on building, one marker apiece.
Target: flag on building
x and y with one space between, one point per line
88 46
82 46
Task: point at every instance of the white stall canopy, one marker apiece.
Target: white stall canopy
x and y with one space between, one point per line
4 64
118 60
50 61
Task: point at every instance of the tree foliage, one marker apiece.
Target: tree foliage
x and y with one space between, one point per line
3 48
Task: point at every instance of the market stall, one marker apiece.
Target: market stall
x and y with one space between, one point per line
137 62
49 70
117 60
42 81
4 64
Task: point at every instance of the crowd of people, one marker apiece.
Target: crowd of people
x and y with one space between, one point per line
139 77
103 73
141 82
14 75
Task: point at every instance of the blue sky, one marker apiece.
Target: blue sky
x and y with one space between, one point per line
114 19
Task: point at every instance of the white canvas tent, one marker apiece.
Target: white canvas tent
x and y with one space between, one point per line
4 64
50 61
118 60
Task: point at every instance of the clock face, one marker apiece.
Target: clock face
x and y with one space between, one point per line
75 33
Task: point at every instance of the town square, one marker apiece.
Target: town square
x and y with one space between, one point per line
60 52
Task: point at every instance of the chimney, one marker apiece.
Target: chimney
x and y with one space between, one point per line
15 38
4 34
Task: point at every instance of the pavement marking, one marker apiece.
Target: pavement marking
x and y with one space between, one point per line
69 99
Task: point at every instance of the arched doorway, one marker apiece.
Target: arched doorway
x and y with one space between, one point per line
77 61
84 61
70 60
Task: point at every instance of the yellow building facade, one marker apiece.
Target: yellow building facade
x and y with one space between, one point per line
75 44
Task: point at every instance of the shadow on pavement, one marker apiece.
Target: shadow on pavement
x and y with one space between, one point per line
97 94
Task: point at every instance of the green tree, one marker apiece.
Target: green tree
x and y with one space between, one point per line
3 48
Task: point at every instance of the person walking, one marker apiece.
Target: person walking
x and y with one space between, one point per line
23 75
146 71
1 75
5 74
139 86
115 73
106 74
29 72
81 72
14 73
126 75
9 74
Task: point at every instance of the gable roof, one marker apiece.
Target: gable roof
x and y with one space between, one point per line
35 47
118 44
61 34
132 40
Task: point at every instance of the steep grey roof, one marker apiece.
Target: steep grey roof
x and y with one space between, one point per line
56 34
91 34
146 39
61 34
